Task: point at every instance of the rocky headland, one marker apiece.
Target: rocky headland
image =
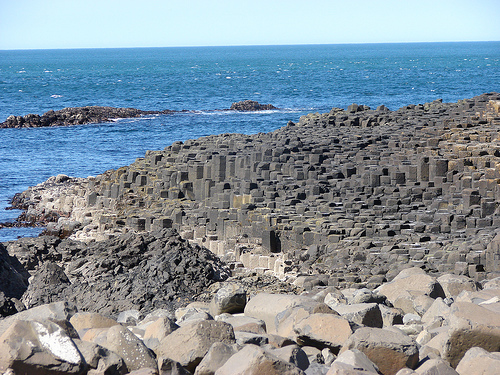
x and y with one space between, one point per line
357 241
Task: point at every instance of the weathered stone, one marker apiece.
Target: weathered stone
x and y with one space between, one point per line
86 320
215 358
252 360
478 361
469 325
266 307
124 343
243 323
435 366
292 354
353 361
366 314
39 346
101 360
453 285
157 331
409 284
323 331
190 343
230 298
56 311
390 350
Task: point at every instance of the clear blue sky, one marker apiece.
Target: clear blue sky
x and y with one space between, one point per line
26 24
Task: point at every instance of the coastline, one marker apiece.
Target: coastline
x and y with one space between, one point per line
385 222
98 114
247 197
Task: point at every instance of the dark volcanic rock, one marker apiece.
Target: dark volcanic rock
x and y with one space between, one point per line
13 277
13 283
250 105
74 116
134 271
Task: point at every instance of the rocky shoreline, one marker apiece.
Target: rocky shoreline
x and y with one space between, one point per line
357 241
97 114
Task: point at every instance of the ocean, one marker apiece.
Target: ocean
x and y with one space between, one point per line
205 80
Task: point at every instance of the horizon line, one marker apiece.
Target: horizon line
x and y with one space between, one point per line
247 45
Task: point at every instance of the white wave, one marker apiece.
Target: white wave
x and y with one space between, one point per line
56 96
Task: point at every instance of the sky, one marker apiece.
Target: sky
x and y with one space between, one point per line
47 24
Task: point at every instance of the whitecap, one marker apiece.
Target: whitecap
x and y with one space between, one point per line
47 71
56 96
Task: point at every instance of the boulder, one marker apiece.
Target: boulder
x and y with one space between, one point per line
335 298
190 343
39 346
120 340
435 366
286 320
266 307
389 349
469 325
323 331
56 311
86 320
365 314
243 338
407 285
193 314
167 366
157 331
243 323
478 361
391 315
101 360
492 284
253 360
353 360
438 309
215 358
13 281
230 298
293 354
453 285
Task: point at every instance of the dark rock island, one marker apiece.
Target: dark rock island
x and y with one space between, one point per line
97 114
250 105
74 116
357 241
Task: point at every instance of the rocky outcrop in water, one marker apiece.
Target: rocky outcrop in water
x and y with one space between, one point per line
97 114
75 116
250 105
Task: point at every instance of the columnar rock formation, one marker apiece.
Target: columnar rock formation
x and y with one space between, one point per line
386 224
377 187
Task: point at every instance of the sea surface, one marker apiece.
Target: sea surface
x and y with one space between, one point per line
297 79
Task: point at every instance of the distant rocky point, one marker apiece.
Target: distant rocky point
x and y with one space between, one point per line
98 114
74 116
250 105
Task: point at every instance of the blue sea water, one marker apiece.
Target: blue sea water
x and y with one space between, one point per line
297 79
